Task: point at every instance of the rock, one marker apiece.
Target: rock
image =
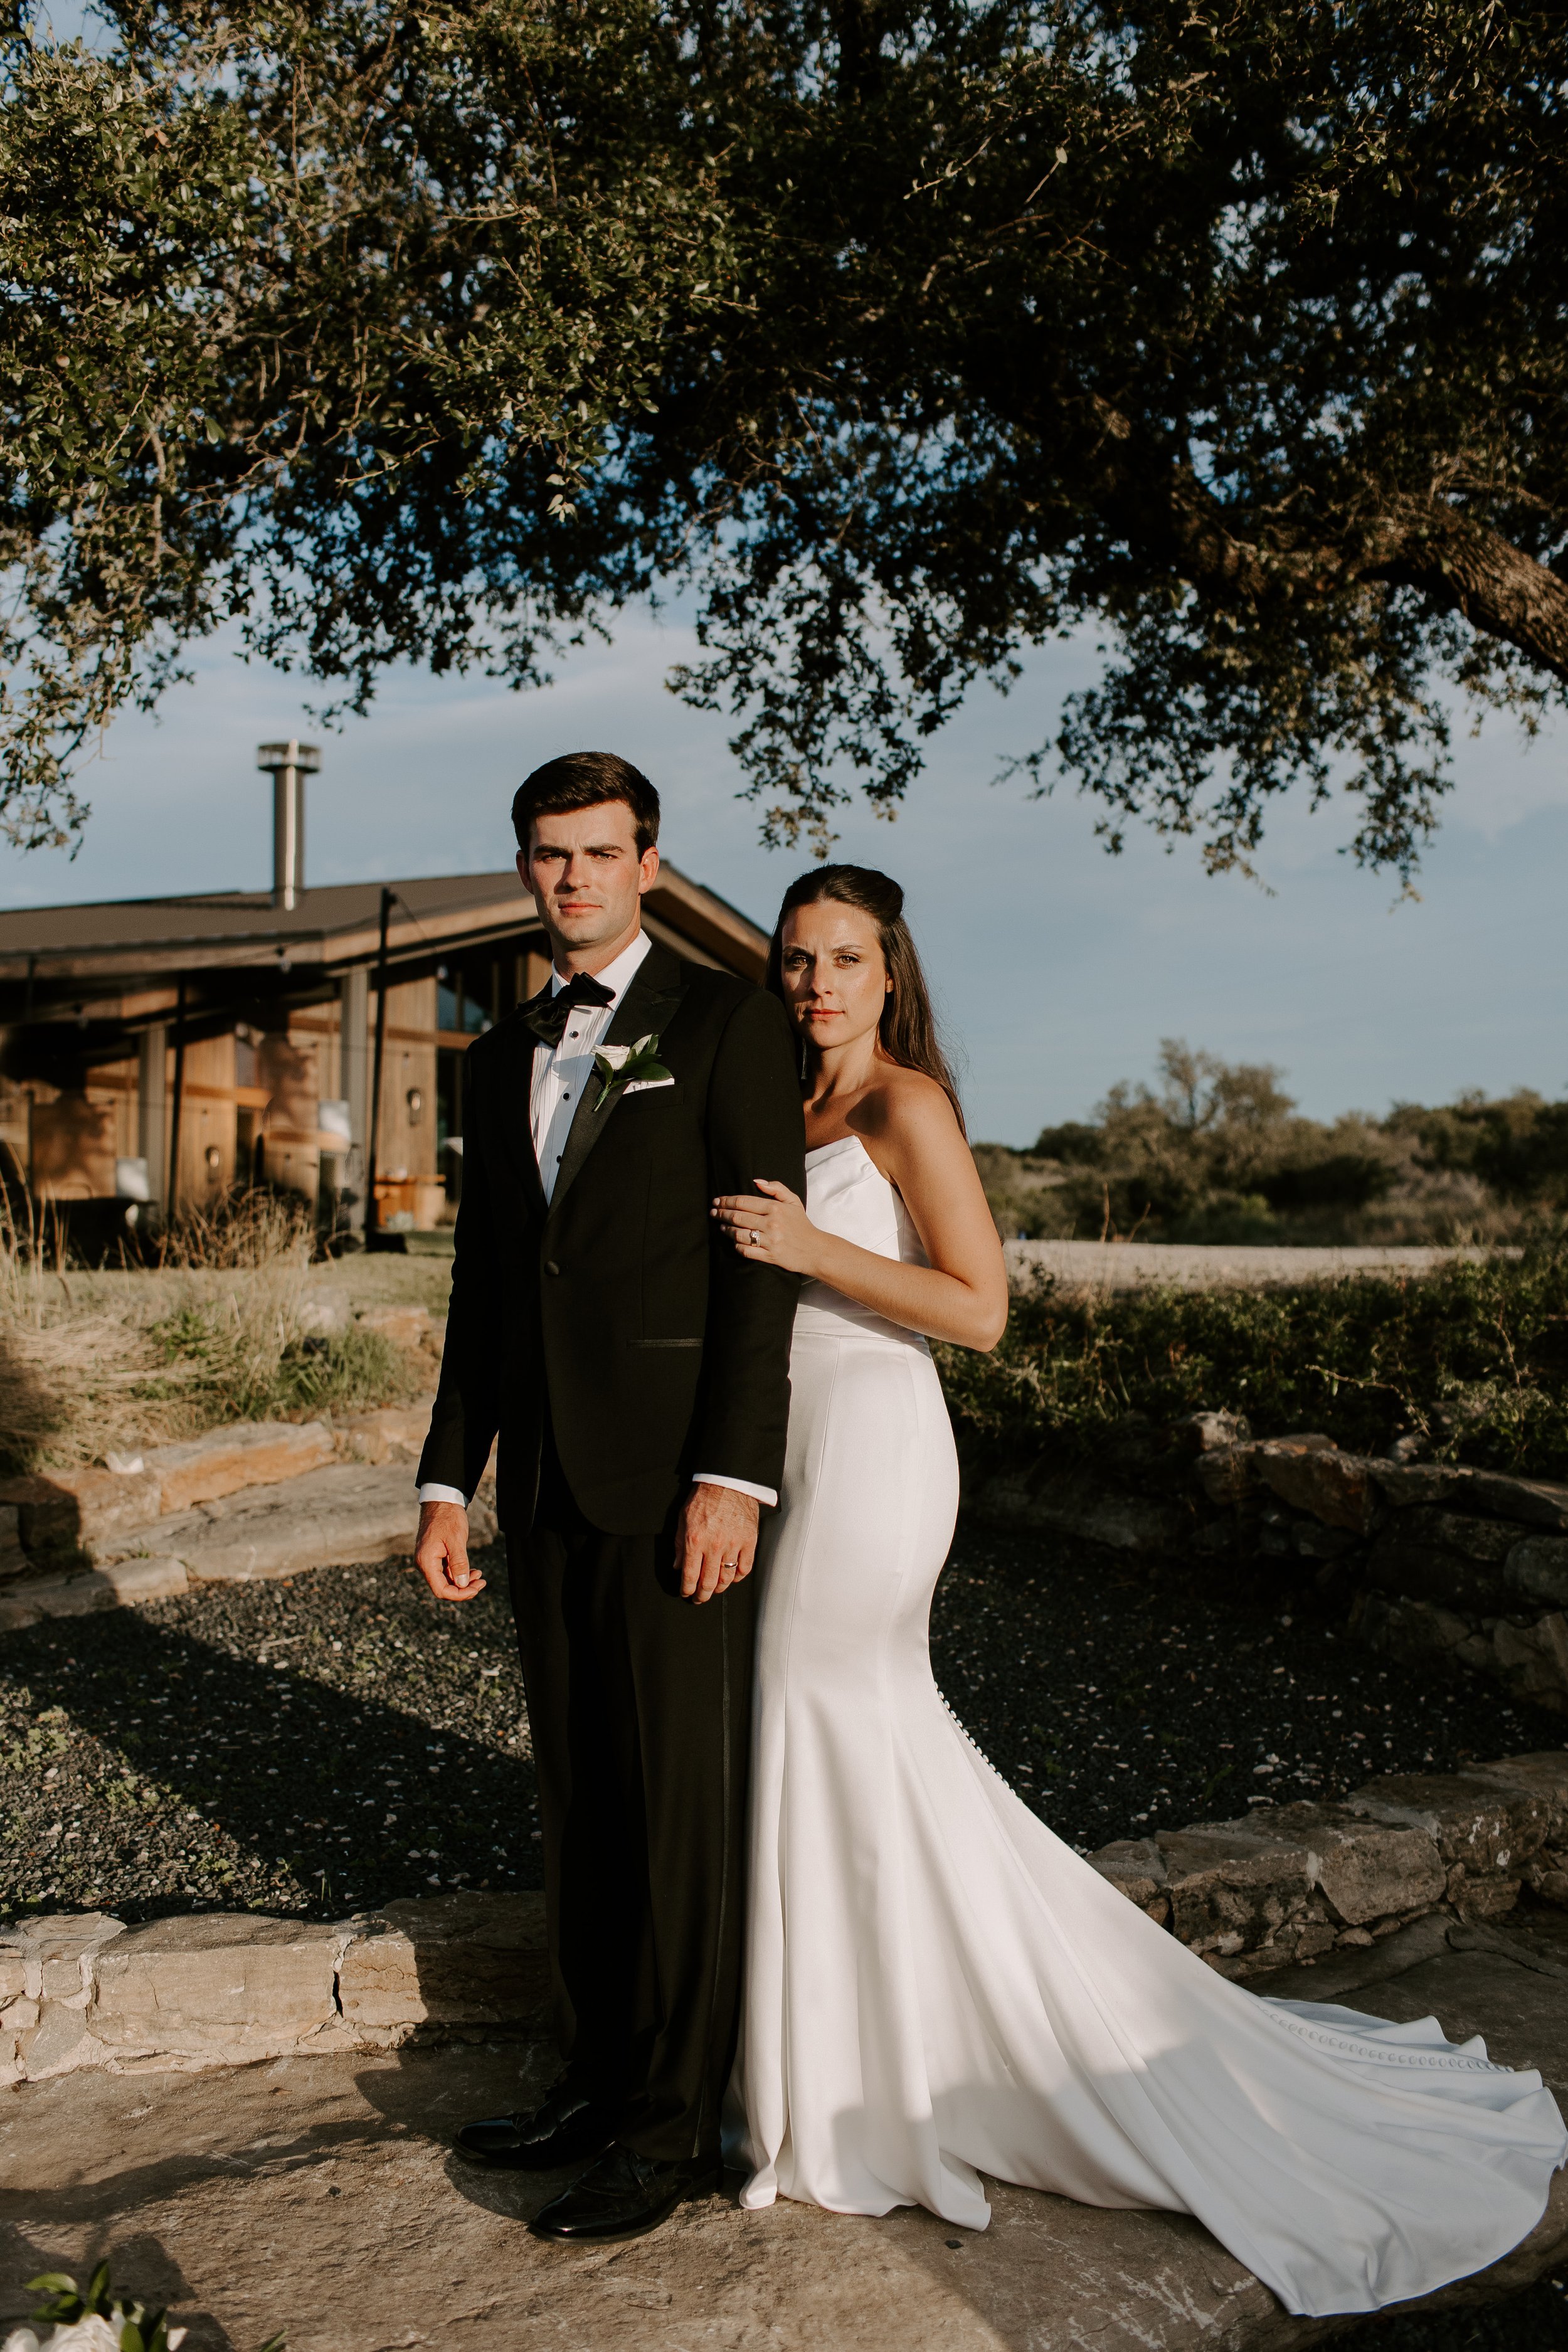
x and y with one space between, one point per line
220 2186
1311 1475
47 1975
1136 1868
226 1461
405 1327
328 1518
326 1311
1406 1482
1226 1475
1536 1502
454 1961
1482 1895
396 1433
1209 1433
65 1517
113 1586
1545 1776
1435 1555
219 1990
1533 1659
1234 1886
1487 1823
1538 1568
1315 1541
1530 1659
1367 1871
1119 1521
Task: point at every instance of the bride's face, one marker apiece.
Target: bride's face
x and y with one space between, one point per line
835 975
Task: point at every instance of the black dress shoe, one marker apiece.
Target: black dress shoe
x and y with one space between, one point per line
622 2196
564 2128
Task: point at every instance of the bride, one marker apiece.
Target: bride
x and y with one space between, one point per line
937 1987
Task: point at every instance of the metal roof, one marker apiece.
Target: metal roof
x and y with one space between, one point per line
334 926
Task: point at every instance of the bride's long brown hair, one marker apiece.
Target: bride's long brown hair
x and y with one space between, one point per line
908 1031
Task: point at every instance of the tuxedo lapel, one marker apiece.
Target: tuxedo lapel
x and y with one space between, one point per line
653 995
516 1084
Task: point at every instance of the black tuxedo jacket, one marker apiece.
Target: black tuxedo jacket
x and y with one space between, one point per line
616 1309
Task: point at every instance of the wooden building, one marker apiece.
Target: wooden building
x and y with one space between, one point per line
167 1049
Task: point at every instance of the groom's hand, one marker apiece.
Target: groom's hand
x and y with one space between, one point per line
716 1540
441 1552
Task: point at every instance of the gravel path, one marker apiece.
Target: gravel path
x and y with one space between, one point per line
1120 1705
313 1746
328 1744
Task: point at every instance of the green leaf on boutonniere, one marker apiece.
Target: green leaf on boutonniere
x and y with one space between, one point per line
620 1066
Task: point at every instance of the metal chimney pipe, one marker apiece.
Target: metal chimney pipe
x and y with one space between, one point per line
288 764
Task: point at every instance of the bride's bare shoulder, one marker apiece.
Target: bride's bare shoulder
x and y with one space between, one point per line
905 1110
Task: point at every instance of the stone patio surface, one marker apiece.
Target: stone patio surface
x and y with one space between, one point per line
318 2194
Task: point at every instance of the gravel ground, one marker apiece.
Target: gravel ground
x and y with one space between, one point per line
140 1746
1120 1705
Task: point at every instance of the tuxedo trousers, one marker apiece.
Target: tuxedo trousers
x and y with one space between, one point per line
639 1704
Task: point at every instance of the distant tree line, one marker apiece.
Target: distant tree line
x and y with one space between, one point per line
1217 1151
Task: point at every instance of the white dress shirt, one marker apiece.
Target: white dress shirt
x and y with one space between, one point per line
560 1074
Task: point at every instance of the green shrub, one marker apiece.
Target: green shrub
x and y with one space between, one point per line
1472 1358
244 1367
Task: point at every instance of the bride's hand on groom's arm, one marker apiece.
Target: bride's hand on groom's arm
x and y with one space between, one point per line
770 1227
441 1552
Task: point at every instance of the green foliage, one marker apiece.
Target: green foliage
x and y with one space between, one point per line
225 1361
1218 1153
1472 1360
139 2329
911 335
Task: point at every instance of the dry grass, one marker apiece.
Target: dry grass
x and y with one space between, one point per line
222 1330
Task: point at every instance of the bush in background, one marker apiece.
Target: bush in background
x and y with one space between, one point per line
94 1364
1216 1152
1472 1362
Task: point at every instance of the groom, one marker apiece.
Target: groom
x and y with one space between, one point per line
636 1371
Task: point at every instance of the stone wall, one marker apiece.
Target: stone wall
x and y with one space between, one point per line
1288 1883
1445 1567
223 1990
253 1499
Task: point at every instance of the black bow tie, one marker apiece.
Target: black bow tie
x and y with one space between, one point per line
547 1015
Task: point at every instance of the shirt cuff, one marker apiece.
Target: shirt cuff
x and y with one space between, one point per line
768 1495
433 1494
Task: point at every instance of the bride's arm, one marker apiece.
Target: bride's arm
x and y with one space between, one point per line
917 1143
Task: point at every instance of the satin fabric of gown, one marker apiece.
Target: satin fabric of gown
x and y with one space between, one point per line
937 1987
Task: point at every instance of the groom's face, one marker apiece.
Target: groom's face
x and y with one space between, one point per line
588 879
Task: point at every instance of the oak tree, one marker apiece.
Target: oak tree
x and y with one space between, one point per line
908 335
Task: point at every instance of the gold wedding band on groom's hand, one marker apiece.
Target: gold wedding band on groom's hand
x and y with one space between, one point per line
729 1563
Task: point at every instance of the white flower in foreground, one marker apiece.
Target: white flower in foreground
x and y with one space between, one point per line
89 2335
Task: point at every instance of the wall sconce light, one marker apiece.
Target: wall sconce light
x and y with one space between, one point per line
214 1159
416 1102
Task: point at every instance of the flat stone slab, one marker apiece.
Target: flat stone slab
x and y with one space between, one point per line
245 1454
320 2194
327 1518
117 1584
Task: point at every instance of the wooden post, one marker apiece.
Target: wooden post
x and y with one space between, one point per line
371 1230
179 1099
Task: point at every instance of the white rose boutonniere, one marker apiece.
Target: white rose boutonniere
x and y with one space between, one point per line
620 1066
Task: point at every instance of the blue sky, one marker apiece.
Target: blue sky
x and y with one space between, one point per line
1057 968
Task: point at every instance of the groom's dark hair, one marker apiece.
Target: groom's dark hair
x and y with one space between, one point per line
580 780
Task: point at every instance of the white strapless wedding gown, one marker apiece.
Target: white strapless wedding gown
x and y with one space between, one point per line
938 1988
